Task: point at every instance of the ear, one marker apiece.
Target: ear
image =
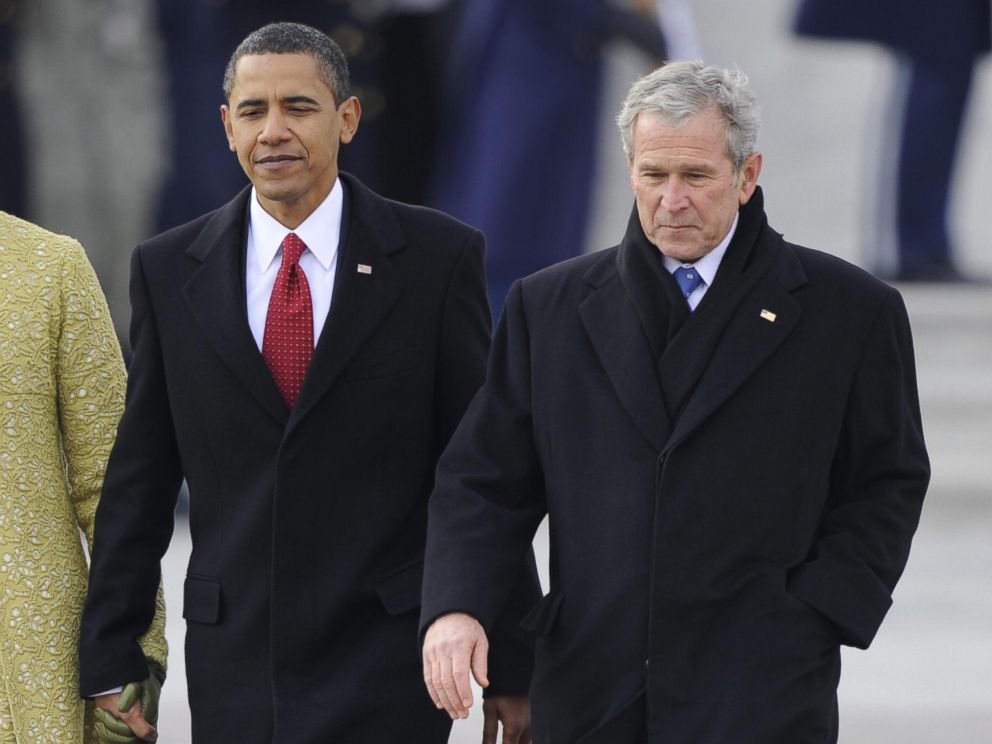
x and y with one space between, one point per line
225 116
350 112
749 176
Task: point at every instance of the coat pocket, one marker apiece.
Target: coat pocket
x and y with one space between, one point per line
201 600
400 592
543 616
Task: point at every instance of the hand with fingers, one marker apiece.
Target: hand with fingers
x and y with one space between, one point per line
454 646
129 716
513 711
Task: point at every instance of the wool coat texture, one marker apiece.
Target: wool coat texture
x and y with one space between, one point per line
731 493
308 525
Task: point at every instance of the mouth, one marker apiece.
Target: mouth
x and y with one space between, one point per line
276 162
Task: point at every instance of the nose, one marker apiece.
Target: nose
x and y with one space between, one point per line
275 129
674 195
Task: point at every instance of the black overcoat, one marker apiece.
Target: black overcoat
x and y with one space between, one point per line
308 526
722 519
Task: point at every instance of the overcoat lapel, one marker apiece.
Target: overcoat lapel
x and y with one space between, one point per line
615 331
760 320
750 253
362 297
216 297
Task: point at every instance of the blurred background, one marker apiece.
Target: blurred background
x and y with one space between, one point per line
877 149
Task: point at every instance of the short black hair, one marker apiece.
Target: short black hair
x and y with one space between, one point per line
296 38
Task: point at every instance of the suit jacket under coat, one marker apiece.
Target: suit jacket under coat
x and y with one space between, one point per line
308 525
714 550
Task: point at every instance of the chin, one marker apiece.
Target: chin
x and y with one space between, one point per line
275 194
686 254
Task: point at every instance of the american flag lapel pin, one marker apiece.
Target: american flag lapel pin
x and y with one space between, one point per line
364 269
768 315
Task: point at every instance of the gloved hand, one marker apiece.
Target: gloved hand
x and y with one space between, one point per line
113 730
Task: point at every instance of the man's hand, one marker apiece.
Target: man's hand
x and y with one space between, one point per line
455 644
514 712
129 716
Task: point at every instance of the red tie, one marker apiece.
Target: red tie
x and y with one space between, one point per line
288 341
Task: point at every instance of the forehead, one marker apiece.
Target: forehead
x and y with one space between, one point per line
258 74
702 135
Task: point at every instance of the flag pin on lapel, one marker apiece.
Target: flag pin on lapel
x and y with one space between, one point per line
768 315
364 269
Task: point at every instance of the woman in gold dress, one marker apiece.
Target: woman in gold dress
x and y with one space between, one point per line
62 386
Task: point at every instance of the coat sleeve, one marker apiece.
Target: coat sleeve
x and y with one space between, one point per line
134 519
487 503
879 477
464 346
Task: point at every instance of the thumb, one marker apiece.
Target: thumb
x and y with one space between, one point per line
480 662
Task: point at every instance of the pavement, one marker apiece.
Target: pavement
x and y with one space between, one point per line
927 679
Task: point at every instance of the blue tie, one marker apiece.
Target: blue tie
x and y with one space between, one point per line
688 280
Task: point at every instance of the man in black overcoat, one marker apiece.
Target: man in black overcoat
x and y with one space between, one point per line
724 431
301 357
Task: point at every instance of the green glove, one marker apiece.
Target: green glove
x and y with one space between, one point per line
112 730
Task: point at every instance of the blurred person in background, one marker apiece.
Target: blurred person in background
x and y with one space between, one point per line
301 356
12 186
938 45
518 158
416 38
61 395
93 104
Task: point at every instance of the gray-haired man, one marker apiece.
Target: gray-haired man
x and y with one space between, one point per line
724 430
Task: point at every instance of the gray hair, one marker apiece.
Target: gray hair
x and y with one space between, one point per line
679 90
295 38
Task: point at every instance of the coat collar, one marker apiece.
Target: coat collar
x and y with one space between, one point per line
762 280
361 300
618 336
215 294
692 346
742 320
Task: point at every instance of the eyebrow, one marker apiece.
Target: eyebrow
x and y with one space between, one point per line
248 102
300 99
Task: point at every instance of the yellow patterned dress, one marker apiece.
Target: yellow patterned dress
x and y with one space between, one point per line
61 394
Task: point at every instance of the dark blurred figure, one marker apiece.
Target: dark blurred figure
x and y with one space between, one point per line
416 37
519 156
12 189
198 36
939 44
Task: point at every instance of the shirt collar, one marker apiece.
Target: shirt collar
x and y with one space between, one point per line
320 231
707 265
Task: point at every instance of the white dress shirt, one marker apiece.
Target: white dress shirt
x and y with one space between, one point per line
321 232
706 266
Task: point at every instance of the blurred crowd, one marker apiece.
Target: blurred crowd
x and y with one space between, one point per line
110 131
